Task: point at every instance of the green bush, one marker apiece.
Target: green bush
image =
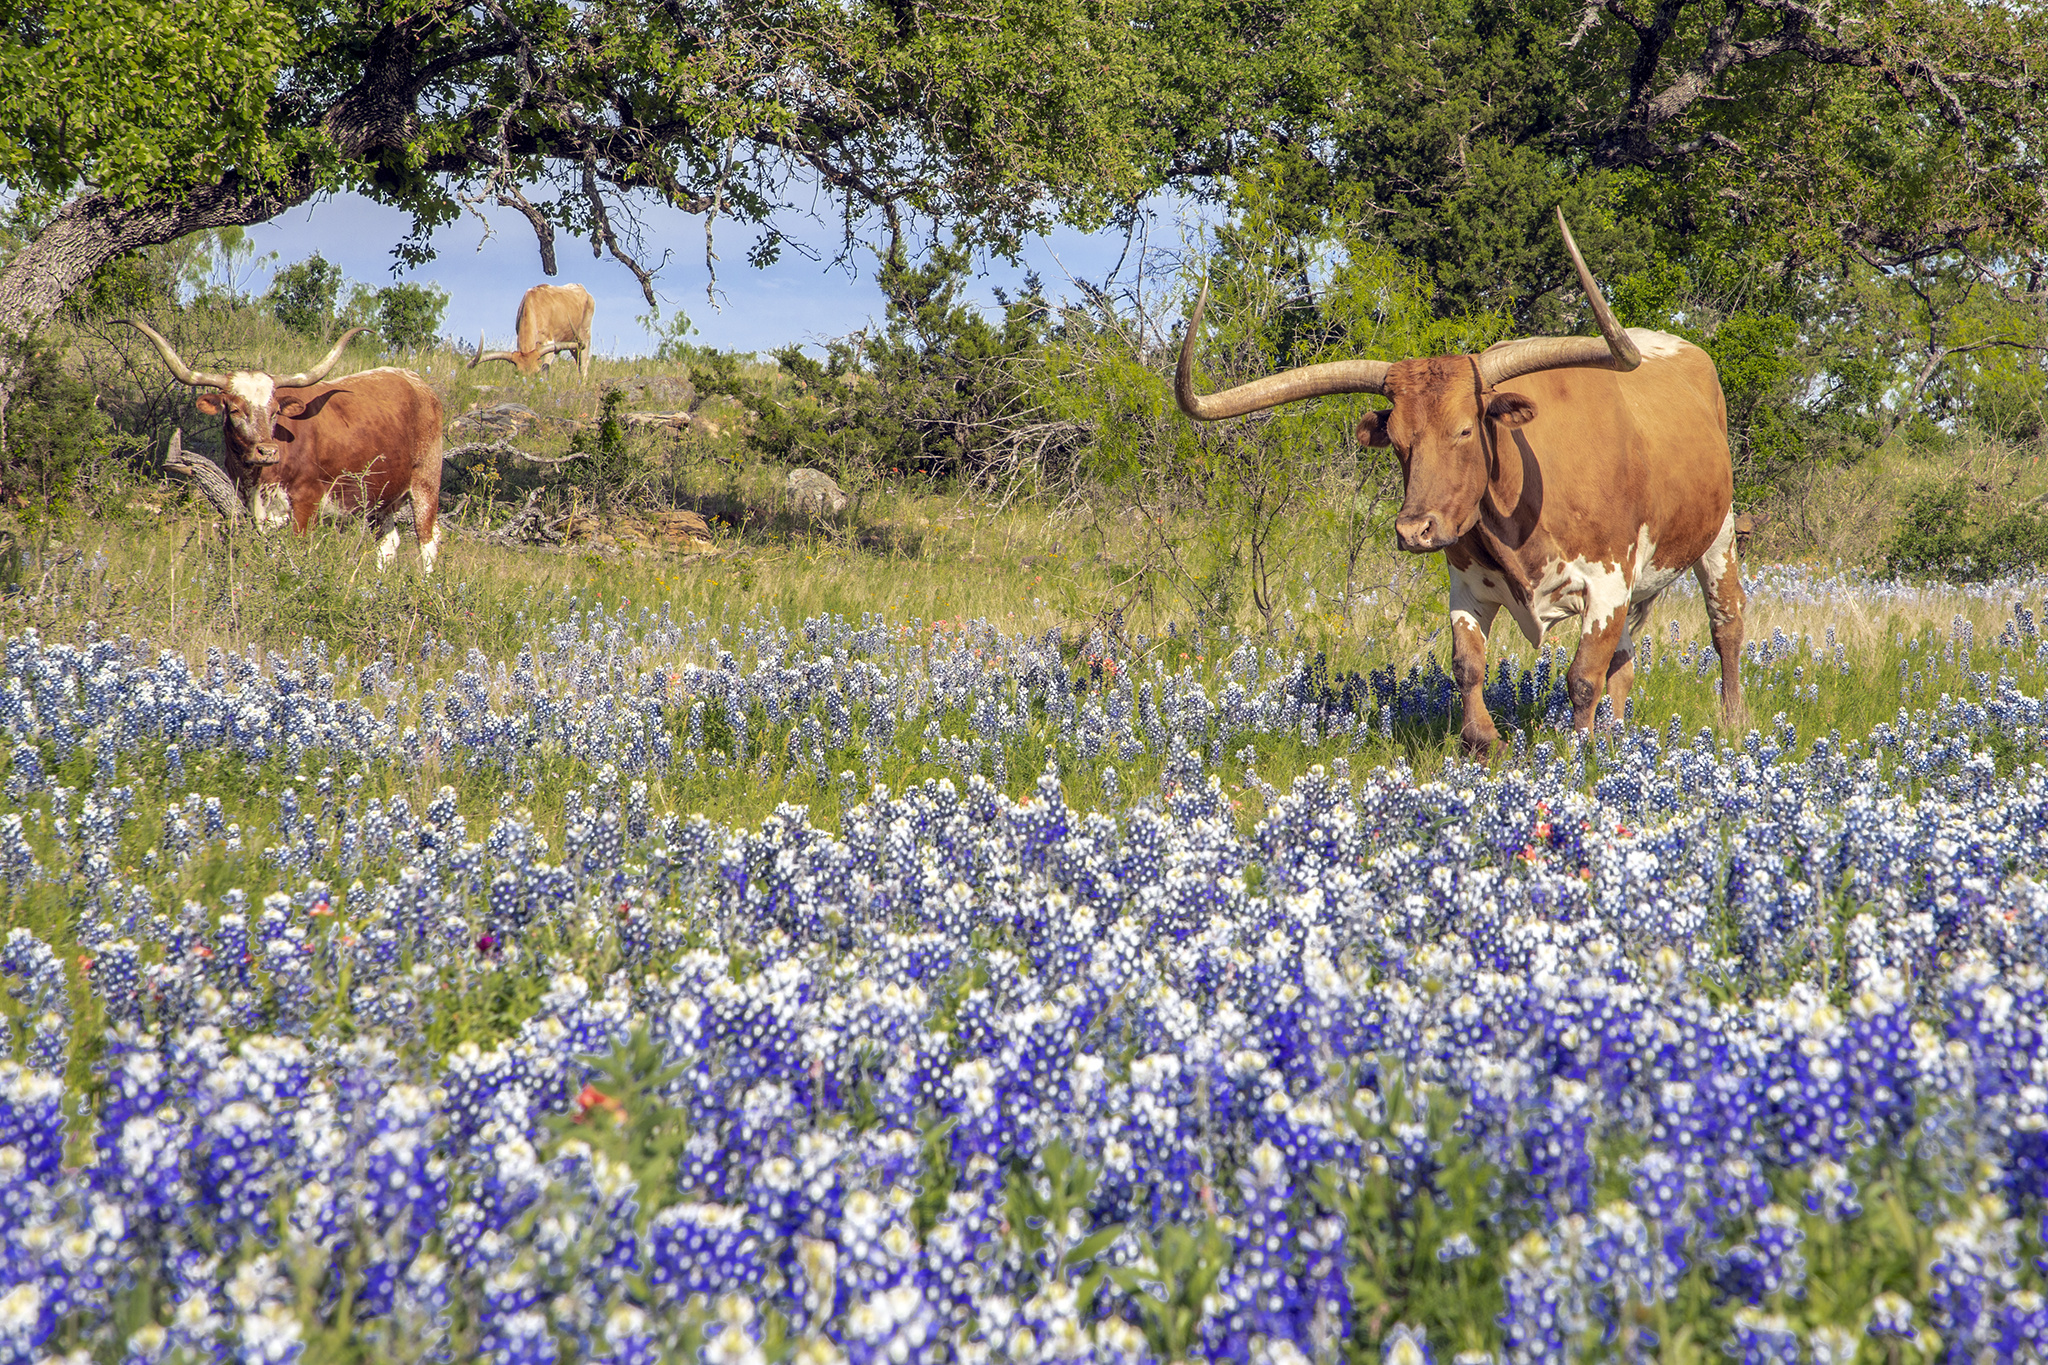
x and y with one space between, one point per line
409 315
606 462
303 296
54 432
1943 534
935 392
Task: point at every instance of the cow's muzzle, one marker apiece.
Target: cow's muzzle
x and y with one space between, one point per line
1419 535
263 456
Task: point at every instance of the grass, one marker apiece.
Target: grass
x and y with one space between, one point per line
182 586
1846 512
149 566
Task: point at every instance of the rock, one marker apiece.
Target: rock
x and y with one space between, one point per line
671 391
678 420
812 493
502 419
686 532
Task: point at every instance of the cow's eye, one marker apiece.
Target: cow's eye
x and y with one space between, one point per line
1466 432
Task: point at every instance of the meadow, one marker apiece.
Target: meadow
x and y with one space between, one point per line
856 946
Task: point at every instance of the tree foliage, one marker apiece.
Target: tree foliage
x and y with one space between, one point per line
408 316
994 116
306 295
57 431
1772 131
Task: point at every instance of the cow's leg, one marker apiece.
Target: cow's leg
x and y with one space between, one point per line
1720 575
1621 669
1601 628
273 508
1471 619
426 523
384 525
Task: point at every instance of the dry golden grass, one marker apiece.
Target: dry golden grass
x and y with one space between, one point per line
1846 512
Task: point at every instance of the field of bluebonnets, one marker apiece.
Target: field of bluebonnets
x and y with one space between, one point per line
1028 993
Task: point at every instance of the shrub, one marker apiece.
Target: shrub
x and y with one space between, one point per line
935 392
1944 534
303 296
603 470
409 315
54 431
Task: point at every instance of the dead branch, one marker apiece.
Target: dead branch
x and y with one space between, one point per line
475 448
211 478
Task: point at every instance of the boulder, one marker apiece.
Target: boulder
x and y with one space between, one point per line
675 420
812 493
686 533
670 391
499 419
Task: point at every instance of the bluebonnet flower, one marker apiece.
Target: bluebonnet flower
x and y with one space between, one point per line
1406 1344
1763 1339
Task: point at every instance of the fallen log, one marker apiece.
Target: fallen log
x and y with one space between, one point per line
473 449
211 478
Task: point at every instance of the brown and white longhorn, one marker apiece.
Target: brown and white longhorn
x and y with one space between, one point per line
1560 476
298 445
552 317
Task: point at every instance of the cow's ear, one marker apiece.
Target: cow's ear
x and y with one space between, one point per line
281 432
1511 410
1372 429
1504 452
209 403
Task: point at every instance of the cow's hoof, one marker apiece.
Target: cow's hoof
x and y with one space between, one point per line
1483 745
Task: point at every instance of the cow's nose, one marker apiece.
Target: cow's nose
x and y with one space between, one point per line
266 454
1421 534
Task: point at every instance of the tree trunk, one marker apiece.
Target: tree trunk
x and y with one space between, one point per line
94 229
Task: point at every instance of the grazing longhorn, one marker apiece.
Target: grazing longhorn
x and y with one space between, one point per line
552 317
296 446
1560 476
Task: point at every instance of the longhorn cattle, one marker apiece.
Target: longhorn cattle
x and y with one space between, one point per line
296 446
552 317
1560 476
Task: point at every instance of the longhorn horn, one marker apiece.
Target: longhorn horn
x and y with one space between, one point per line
319 372
1612 349
1307 381
482 355
186 374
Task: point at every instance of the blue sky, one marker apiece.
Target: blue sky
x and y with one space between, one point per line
794 300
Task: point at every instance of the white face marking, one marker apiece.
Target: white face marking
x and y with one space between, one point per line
429 548
271 507
387 547
253 388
